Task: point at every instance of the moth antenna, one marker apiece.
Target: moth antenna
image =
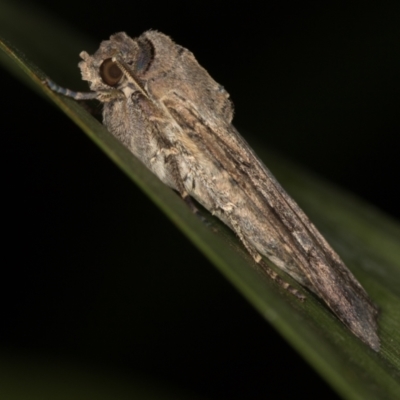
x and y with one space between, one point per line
69 93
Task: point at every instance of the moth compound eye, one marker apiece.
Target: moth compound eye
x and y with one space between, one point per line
110 72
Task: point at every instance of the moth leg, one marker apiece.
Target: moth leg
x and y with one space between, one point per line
188 200
259 260
276 278
180 187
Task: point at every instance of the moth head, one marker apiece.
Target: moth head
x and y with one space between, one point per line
103 72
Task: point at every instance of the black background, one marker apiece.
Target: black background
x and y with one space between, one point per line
318 83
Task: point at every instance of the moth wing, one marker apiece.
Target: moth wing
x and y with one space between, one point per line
202 114
329 276
217 143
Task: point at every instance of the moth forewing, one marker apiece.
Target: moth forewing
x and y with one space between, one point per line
162 105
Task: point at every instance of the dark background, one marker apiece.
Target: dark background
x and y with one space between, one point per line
318 83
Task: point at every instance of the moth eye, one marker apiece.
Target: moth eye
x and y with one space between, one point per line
110 72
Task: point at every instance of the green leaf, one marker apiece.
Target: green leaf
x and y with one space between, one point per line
366 239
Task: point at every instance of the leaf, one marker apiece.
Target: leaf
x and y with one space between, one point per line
366 239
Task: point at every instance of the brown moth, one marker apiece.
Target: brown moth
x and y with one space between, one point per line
169 112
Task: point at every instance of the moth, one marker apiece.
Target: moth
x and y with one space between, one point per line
169 112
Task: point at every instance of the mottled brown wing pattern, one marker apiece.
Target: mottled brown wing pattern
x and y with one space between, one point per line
319 267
